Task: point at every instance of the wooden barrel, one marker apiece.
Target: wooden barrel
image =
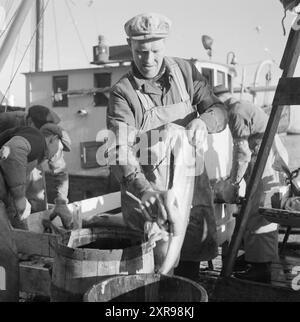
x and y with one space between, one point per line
146 288
9 261
89 256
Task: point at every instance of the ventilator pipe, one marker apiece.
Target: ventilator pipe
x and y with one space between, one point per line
259 69
233 59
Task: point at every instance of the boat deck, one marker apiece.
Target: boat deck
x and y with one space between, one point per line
282 288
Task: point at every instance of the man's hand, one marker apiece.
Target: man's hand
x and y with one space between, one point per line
152 206
226 192
197 132
23 209
27 211
155 233
22 206
4 152
162 208
61 209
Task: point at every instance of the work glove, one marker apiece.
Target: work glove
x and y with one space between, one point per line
197 132
23 209
63 212
226 192
162 207
155 233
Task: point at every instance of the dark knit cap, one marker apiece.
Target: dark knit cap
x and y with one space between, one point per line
41 115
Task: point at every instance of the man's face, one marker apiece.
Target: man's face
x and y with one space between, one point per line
30 122
148 55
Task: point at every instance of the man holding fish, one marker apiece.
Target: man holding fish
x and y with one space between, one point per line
160 114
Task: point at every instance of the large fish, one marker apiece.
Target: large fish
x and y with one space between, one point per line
178 200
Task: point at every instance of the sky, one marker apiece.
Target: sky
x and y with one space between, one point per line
251 29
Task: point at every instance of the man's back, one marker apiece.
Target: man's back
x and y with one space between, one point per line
10 120
246 119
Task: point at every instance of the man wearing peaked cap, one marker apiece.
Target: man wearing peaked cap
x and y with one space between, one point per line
247 123
148 26
41 115
38 117
164 94
28 148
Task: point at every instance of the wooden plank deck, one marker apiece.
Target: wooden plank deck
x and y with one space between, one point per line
284 280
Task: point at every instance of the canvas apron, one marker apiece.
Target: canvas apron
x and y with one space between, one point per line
261 236
201 238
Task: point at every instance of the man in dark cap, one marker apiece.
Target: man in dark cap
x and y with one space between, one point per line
28 148
164 94
247 124
38 116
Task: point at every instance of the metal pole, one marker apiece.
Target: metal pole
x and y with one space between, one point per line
14 30
243 83
39 40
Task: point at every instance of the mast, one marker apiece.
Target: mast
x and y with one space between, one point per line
14 30
39 39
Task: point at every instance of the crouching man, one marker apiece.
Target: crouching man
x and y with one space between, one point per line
23 150
37 116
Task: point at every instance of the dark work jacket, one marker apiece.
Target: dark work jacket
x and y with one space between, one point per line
33 136
11 120
125 109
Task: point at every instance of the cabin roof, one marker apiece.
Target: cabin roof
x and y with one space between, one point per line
118 64
61 71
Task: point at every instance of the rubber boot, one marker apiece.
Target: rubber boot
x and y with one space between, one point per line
257 272
188 269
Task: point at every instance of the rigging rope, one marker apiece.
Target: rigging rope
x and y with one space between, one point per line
8 25
9 6
77 31
56 35
93 10
26 50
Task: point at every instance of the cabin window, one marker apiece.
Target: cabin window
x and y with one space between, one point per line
60 86
208 74
220 78
102 83
88 151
